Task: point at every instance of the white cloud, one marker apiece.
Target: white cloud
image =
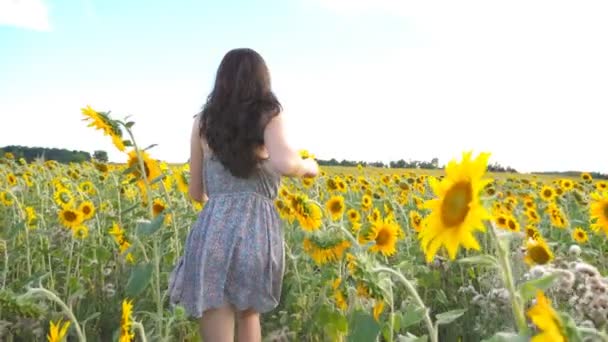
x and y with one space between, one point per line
29 14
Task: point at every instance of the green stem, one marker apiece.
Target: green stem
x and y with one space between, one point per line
427 318
140 330
67 280
507 275
53 297
144 178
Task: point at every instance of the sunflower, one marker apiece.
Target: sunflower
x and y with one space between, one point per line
158 206
63 197
366 202
11 179
532 232
308 182
335 207
102 121
332 185
586 176
501 220
579 235
457 213
328 253
601 185
307 213
87 187
31 216
151 167
532 215
182 181
557 216
69 217
599 211
9 155
512 224
415 220
566 184
547 193
354 218
57 331
546 319
378 308
537 251
384 233
126 322
6 199
80 231
87 209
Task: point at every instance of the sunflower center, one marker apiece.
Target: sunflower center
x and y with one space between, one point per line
606 210
547 193
86 210
69 216
383 237
512 225
455 205
539 255
336 207
158 208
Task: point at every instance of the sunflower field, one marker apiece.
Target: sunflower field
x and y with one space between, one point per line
371 254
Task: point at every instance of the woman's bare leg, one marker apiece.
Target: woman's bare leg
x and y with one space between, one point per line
248 326
217 325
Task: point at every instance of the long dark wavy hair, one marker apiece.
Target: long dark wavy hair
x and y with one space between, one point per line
237 111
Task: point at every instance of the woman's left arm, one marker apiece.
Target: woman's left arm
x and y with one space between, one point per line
195 188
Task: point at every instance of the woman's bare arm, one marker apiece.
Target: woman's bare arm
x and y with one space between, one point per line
284 158
195 188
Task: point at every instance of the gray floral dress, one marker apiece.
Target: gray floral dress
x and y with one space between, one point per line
234 253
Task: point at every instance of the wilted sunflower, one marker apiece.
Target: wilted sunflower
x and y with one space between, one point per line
327 253
384 233
547 193
457 213
547 320
70 217
335 207
537 251
599 211
579 235
151 166
87 209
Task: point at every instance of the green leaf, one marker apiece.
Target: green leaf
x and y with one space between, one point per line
363 327
130 124
149 228
151 146
449 316
130 209
141 275
157 179
127 143
570 328
485 260
103 254
506 337
130 169
396 322
528 289
413 315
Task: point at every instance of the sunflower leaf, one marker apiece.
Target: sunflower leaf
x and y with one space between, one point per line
140 277
528 289
413 315
481 260
363 327
130 124
449 316
131 208
127 143
149 228
151 146
157 179
130 169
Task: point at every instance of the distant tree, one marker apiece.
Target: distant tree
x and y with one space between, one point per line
102 156
61 155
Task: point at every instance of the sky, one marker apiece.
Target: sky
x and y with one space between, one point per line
373 80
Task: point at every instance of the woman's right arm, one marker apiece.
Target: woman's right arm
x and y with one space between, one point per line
283 157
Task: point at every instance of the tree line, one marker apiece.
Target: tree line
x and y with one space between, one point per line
60 155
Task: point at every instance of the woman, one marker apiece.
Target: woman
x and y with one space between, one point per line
233 262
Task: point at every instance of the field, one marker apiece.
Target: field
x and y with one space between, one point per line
371 254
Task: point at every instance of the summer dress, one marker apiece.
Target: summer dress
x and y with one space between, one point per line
234 252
